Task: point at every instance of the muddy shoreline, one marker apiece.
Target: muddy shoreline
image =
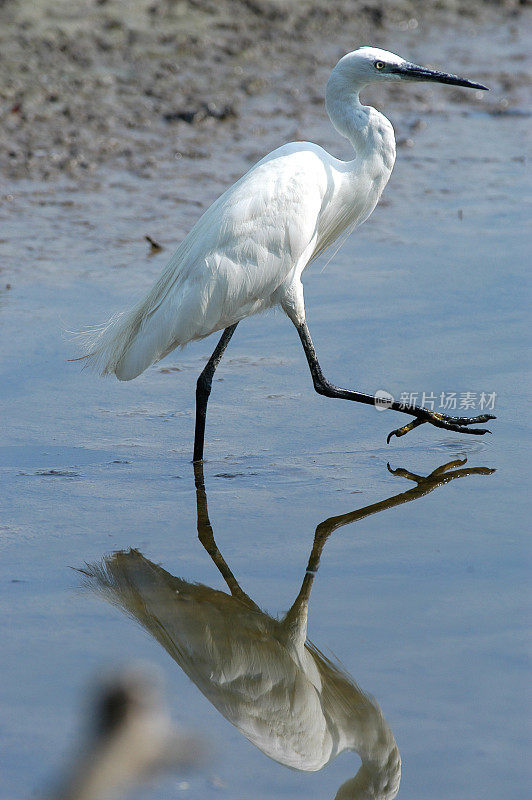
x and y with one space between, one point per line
87 87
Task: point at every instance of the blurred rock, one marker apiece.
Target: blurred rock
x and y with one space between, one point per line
129 738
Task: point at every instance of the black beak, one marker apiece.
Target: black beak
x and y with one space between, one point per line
414 73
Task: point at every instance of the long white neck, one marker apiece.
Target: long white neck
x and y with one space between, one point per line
364 724
357 723
370 133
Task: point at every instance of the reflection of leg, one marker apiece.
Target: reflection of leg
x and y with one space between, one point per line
439 476
203 390
425 485
324 387
206 537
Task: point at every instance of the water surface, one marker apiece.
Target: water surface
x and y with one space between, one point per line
422 603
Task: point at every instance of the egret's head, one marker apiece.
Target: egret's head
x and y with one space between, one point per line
369 64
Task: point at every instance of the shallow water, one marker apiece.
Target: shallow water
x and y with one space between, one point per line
422 603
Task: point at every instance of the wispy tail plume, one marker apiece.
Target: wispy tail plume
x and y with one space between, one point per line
105 346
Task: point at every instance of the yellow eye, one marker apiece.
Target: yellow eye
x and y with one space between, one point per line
379 65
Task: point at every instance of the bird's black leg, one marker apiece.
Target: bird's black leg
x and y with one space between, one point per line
422 415
203 390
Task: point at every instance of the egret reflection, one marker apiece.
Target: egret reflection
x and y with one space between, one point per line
261 673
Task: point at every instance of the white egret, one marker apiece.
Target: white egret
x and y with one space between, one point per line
248 250
262 673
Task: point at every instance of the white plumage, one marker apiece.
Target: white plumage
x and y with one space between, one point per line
248 250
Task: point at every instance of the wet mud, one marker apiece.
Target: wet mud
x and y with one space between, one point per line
87 86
